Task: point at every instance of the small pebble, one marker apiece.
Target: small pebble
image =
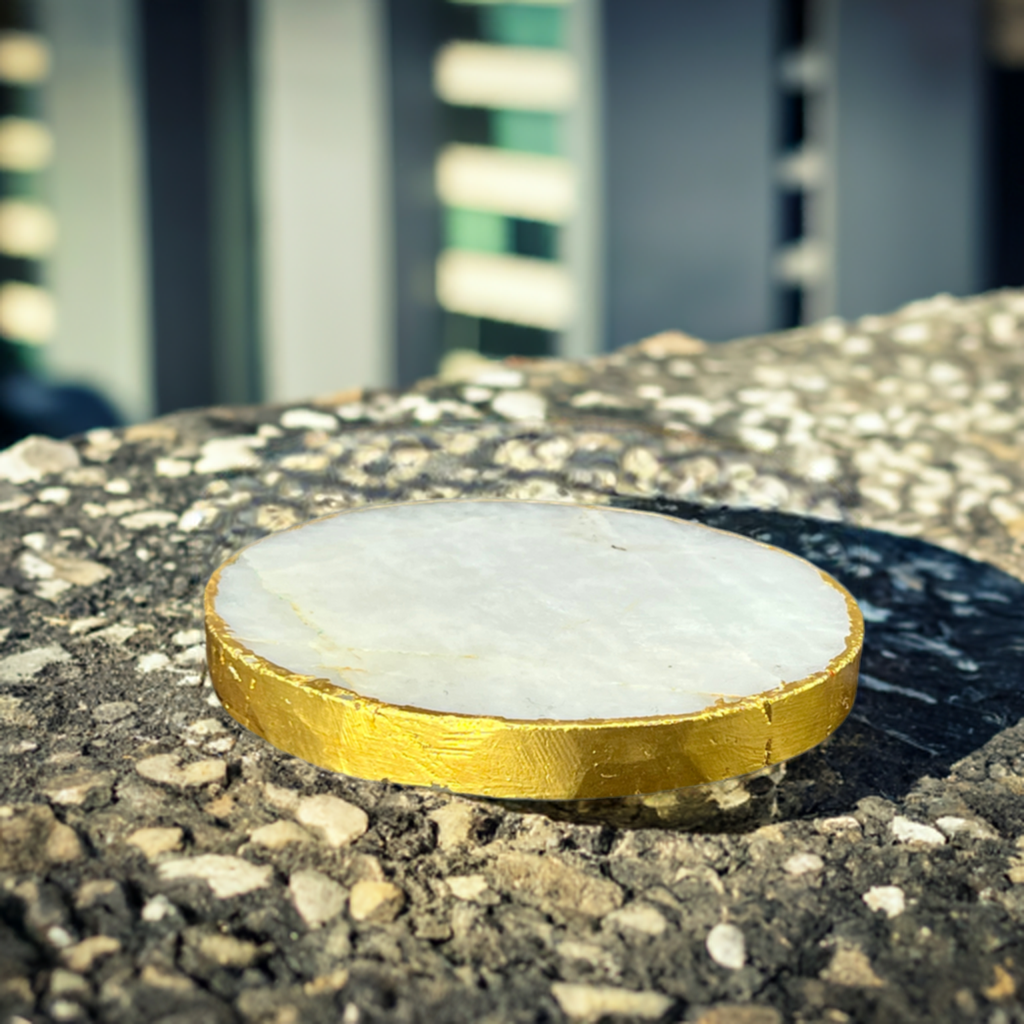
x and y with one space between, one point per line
167 768
906 831
520 405
375 901
226 876
597 1002
308 419
84 954
279 834
726 946
803 863
638 917
155 841
338 821
887 898
317 898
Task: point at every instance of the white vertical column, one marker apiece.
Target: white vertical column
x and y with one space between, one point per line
97 272
583 240
322 139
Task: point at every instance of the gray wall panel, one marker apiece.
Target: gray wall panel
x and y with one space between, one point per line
907 124
689 115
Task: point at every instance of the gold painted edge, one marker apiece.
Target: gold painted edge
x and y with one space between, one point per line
540 759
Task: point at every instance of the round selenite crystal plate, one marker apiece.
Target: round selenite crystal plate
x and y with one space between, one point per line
529 650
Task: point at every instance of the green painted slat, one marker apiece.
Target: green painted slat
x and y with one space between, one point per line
476 230
527 130
523 25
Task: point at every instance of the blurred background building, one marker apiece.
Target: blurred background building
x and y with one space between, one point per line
209 201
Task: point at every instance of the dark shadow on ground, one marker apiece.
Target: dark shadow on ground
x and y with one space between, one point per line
942 672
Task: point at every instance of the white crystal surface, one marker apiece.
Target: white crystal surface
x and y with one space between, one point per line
532 610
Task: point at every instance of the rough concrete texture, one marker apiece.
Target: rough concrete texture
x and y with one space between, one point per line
158 863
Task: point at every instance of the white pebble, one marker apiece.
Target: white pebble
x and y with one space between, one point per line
205 727
887 898
759 438
35 457
317 898
157 517
638 918
914 333
55 495
157 908
351 411
950 826
173 467
152 662
226 876
520 405
803 863
467 887
699 410
338 821
1003 328
167 768
86 625
279 834
497 377
726 946
426 412
832 330
20 668
857 345
596 1002
199 516
115 635
906 831
195 655
475 394
373 900
308 419
869 423
35 541
225 453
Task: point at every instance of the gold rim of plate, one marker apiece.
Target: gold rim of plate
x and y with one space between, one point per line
540 759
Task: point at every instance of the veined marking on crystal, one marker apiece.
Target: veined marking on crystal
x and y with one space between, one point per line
328 652
398 650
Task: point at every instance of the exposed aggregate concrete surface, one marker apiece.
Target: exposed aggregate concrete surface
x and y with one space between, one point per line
158 863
